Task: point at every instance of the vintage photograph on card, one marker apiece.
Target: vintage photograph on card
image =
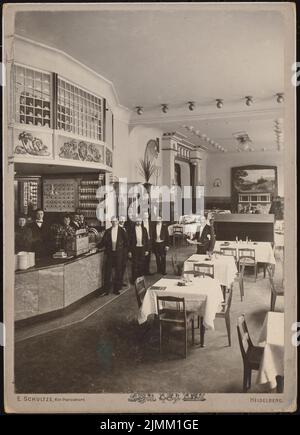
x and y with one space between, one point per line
149 173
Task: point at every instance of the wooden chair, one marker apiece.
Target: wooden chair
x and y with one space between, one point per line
224 313
231 252
204 269
251 354
171 312
140 290
275 290
247 257
177 265
177 234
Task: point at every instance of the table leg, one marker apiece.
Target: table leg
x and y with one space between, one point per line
202 332
280 384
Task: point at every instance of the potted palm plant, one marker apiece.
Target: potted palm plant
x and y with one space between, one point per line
147 168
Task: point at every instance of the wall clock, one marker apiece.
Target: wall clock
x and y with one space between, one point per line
152 149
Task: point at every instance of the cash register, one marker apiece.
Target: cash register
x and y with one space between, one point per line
78 244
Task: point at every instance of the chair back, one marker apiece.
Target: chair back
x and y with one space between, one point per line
204 269
243 336
171 304
140 290
229 251
247 256
177 230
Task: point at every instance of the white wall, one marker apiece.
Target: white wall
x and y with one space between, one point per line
219 166
185 173
138 138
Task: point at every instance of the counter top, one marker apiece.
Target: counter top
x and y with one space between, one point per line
239 217
48 262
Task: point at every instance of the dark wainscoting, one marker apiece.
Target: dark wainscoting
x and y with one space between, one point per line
220 202
258 228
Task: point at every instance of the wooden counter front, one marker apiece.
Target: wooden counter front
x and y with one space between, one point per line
50 287
257 227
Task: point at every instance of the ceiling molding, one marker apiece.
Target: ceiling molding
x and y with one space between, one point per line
183 117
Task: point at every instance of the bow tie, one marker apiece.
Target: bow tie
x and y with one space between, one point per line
39 222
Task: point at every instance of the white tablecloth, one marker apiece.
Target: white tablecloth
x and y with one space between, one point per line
272 338
225 269
263 250
203 294
188 229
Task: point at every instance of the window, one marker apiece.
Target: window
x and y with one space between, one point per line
32 97
78 111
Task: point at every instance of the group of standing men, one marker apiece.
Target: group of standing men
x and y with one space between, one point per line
135 240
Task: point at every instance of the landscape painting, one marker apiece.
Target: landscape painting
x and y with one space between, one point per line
254 179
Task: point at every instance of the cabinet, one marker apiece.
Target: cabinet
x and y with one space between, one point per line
255 202
87 199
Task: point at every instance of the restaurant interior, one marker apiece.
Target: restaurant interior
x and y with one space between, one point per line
156 98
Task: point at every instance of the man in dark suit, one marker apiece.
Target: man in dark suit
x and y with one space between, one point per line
75 221
122 224
160 244
40 235
114 241
23 235
147 225
203 237
138 249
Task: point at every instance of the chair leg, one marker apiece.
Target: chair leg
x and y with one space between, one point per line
160 338
249 378
193 332
273 301
227 321
202 332
245 379
185 343
241 285
265 267
255 273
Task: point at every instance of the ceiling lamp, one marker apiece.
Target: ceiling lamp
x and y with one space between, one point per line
164 108
249 100
191 105
139 110
280 97
220 103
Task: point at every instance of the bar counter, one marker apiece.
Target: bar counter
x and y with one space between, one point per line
54 284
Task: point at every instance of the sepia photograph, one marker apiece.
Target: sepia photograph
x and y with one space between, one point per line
149 207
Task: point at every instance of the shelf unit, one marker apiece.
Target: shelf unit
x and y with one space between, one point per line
263 200
28 194
87 201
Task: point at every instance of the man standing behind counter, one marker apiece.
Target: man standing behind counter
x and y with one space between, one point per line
23 235
114 241
40 235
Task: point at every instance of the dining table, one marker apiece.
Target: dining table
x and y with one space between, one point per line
202 295
272 339
225 269
263 250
